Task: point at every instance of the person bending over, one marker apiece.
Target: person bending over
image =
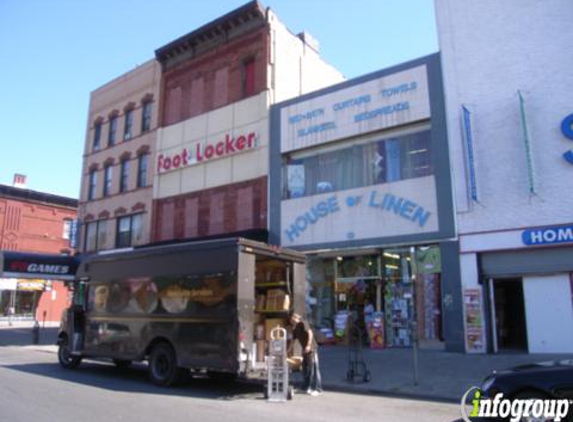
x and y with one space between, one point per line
302 332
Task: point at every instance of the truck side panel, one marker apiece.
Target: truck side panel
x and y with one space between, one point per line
187 298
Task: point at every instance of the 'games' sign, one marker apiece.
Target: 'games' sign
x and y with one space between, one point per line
41 266
201 153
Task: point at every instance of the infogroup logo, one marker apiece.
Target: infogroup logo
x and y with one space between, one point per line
515 410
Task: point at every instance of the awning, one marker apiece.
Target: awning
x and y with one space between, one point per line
37 266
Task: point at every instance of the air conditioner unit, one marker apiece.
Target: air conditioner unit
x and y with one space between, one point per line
127 136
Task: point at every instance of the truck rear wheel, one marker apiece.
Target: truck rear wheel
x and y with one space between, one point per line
66 359
163 370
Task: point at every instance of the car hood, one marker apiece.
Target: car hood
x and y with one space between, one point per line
539 366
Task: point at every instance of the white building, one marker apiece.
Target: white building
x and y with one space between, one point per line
507 63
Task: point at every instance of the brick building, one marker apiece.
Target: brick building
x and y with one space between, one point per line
36 222
218 83
116 188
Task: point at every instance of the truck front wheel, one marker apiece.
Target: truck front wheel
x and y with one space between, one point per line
163 370
66 359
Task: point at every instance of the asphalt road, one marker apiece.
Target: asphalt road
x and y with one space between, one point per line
34 388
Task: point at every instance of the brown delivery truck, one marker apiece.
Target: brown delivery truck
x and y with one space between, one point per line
205 306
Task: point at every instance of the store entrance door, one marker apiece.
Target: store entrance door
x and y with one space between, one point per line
510 329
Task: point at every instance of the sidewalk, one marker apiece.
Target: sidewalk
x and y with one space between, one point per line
20 334
442 375
5 324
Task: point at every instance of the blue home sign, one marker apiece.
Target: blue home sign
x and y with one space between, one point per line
548 235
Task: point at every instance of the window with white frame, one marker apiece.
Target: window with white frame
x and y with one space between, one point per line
67 228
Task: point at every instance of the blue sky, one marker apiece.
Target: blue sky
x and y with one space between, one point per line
54 53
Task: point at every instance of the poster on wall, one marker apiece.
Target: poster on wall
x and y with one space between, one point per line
473 321
295 178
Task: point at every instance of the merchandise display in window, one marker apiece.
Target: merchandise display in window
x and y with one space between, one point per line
381 294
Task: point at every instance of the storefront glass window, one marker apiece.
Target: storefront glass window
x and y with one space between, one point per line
359 266
382 294
398 296
320 274
357 165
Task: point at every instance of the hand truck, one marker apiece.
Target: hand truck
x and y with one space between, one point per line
278 388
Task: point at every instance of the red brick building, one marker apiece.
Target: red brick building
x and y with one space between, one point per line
218 83
36 222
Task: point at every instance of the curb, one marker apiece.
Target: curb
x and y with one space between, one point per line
341 388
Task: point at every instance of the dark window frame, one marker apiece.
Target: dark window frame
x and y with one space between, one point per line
146 113
107 179
142 170
96 145
92 184
124 176
120 237
128 125
112 134
98 224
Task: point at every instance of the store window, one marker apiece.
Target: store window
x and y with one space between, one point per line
128 127
398 296
413 293
129 231
124 175
347 166
142 170
146 116
92 184
107 179
320 273
379 294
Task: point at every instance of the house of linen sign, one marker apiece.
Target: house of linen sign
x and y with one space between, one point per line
393 209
